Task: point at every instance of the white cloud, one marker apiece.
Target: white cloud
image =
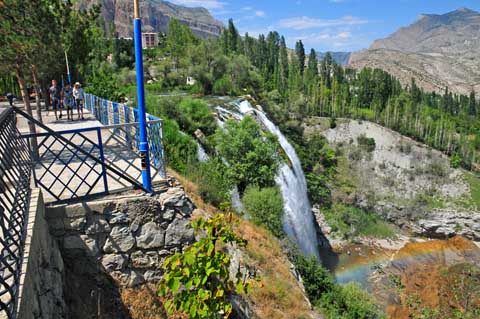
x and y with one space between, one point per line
260 13
247 8
209 4
303 23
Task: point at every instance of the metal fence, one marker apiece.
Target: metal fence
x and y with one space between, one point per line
121 115
15 172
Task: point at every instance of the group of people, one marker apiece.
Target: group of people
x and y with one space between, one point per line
66 98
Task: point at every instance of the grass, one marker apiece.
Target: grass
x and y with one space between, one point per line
474 183
344 181
350 222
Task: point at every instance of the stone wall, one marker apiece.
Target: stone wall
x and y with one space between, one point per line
117 242
41 282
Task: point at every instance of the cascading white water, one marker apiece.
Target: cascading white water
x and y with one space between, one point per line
202 156
298 218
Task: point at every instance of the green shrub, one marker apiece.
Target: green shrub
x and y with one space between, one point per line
195 114
318 191
349 302
455 160
180 149
265 207
350 222
222 86
367 143
213 181
316 279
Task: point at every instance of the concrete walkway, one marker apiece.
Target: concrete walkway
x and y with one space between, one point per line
67 173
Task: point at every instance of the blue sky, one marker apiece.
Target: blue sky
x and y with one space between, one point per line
326 25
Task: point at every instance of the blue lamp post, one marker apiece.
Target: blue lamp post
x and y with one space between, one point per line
142 117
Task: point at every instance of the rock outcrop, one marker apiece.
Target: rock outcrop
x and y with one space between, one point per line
405 182
156 15
437 50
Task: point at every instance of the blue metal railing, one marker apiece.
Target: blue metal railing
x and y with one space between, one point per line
15 171
112 113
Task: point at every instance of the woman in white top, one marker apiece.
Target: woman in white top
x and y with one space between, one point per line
78 95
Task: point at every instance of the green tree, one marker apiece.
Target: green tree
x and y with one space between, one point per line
472 104
312 65
300 53
179 38
251 154
197 282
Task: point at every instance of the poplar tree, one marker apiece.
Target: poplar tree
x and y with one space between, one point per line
300 52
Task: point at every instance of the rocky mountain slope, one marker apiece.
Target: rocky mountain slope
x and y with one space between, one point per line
405 182
156 15
437 50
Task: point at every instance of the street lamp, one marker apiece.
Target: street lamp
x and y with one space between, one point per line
142 117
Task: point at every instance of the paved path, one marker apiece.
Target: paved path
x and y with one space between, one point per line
81 171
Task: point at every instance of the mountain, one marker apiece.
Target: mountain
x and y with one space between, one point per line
437 50
156 15
341 58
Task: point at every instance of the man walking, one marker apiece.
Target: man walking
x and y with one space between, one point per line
78 94
55 98
67 95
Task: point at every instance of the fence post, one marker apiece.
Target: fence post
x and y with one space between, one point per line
102 158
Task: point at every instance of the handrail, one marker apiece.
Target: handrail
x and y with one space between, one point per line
89 129
79 149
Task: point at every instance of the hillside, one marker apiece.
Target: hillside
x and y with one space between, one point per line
437 50
156 15
405 182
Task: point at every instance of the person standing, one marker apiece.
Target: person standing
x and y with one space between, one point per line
55 98
10 97
67 94
78 95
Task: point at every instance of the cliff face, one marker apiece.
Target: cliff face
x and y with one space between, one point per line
156 15
437 50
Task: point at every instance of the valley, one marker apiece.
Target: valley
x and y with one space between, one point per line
307 185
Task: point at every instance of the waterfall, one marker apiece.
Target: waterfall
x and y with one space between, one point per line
202 156
298 218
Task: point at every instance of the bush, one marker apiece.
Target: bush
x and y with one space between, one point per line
180 149
366 143
316 279
222 86
318 191
195 114
349 302
212 180
350 222
265 207
455 160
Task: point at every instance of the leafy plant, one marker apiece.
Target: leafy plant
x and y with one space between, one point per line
197 282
